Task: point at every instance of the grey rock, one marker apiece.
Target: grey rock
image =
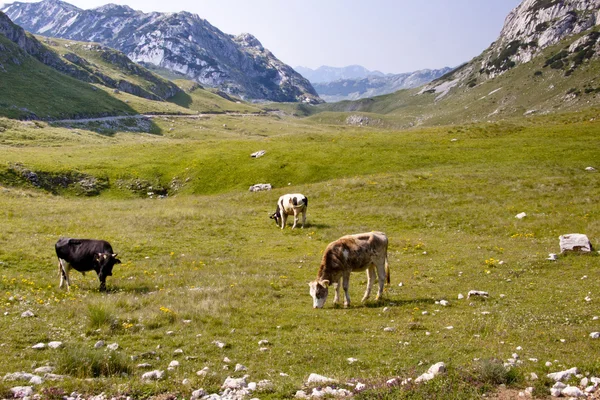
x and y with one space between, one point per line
318 379
572 391
55 345
27 314
20 392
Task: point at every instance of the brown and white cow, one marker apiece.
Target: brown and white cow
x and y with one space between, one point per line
363 251
290 204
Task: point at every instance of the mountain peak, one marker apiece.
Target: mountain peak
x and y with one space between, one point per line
248 40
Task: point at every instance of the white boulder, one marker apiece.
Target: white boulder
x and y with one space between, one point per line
479 293
55 345
562 375
575 242
432 372
572 391
595 335
316 379
155 375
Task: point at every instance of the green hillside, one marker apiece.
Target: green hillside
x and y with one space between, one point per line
30 89
197 98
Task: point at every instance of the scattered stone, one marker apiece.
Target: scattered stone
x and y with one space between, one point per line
388 329
235 383
240 367
584 382
386 309
450 327
144 365
27 314
263 342
173 364
260 187
226 360
533 376
591 169
301 394
219 344
39 346
203 372
572 391
520 215
548 364
177 352
99 343
444 303
54 377
263 349
44 370
155 375
258 154
316 379
169 333
460 296
575 242
36 380
595 335
18 376
265 384
562 375
20 392
198 394
588 299
360 387
55 345
112 346
432 372
477 293
552 257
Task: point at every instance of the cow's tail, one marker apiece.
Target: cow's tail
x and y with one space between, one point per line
305 201
387 270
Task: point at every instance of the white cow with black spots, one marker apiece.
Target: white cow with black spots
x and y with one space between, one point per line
290 204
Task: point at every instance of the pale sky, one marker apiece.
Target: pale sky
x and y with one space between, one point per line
391 36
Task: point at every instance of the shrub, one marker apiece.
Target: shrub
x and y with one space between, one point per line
80 362
99 316
493 371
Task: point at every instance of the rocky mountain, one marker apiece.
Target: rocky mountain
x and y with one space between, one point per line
371 86
325 74
180 42
531 27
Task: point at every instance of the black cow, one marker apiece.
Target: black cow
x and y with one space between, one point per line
85 255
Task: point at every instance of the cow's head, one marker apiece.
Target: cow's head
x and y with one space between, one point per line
319 290
105 262
276 216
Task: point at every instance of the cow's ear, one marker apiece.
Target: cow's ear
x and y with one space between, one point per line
97 257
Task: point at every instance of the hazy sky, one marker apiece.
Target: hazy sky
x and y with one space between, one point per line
391 36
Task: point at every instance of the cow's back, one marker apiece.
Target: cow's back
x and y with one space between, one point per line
81 252
354 252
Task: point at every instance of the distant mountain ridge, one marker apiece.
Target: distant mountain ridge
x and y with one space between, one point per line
325 74
373 85
181 42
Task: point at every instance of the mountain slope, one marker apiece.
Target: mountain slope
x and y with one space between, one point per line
556 77
181 42
371 86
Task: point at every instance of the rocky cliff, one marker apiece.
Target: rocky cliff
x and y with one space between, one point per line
531 27
181 42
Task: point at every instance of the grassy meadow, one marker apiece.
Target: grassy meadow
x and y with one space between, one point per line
206 264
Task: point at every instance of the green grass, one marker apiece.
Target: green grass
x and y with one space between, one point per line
207 264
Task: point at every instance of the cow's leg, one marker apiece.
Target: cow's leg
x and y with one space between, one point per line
64 274
370 279
303 217
336 298
103 285
346 283
295 218
283 219
381 276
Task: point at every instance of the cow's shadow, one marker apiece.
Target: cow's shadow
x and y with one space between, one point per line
391 302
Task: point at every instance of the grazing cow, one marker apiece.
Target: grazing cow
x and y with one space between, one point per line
363 251
290 204
85 255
